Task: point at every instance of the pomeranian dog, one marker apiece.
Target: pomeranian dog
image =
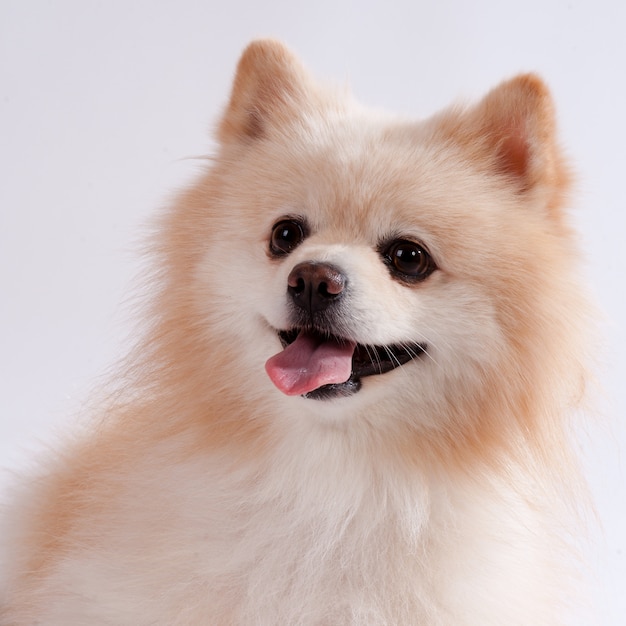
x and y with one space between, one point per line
350 404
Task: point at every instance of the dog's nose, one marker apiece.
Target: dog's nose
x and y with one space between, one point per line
314 286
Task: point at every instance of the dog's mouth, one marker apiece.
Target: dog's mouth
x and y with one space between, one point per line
321 365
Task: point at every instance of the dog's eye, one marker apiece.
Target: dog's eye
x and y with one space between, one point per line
286 235
409 259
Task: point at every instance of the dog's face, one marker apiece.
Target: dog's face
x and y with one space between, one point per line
353 260
341 274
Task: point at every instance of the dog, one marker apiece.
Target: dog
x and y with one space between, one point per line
351 401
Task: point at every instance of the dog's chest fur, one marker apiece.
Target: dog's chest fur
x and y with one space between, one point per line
314 535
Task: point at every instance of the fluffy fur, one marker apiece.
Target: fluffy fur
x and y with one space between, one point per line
435 493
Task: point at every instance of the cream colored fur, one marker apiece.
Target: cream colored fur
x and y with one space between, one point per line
435 495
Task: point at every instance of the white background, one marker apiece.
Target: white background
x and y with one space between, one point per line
101 103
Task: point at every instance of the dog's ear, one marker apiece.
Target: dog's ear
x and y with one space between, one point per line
512 133
270 88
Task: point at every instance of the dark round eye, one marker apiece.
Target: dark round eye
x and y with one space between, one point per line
409 259
286 235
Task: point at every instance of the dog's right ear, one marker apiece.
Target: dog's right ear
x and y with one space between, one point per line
271 87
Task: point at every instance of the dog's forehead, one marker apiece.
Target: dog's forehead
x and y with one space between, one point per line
369 190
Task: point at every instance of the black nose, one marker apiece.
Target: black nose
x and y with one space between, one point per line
314 286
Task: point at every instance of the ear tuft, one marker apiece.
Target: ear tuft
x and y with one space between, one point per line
269 83
518 123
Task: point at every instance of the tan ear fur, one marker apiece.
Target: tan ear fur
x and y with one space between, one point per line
512 132
270 87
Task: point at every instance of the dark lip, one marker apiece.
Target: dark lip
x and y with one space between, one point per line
368 360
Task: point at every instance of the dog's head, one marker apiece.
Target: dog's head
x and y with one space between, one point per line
343 258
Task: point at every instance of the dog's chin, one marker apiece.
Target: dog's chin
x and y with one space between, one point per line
367 361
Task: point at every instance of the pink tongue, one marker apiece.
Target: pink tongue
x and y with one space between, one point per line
308 363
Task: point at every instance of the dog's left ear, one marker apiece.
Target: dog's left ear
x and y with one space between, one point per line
512 133
271 88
